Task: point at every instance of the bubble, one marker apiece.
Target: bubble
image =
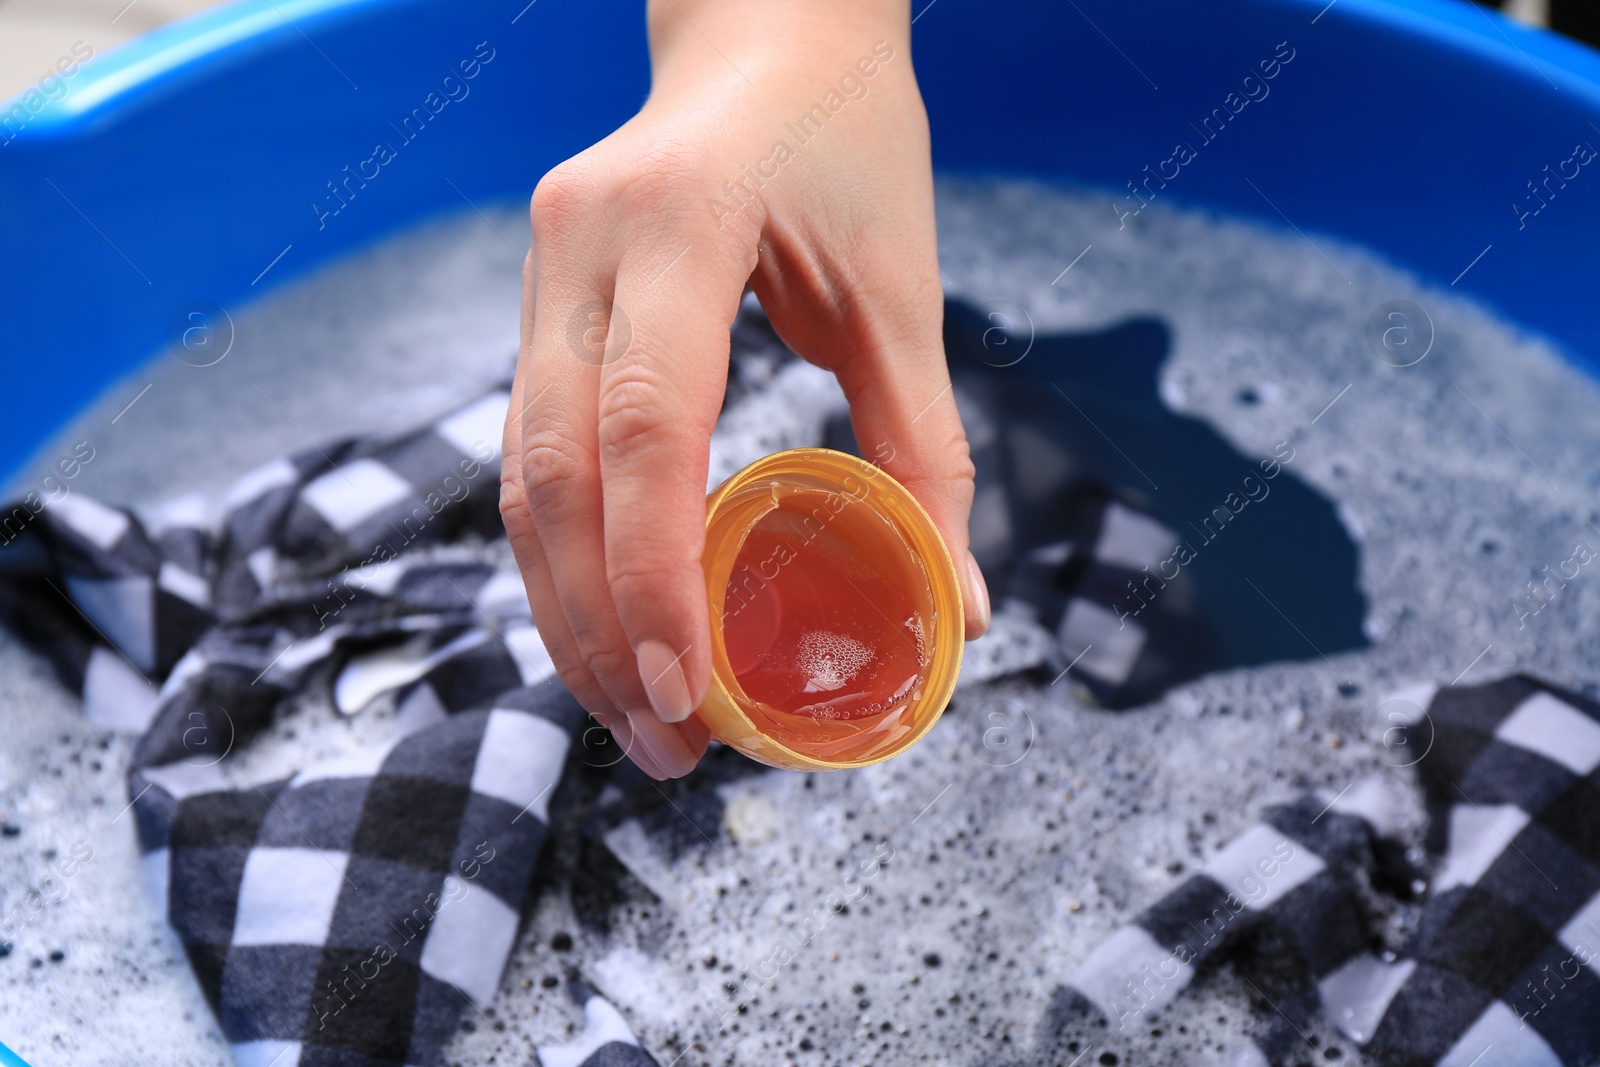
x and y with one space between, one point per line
829 660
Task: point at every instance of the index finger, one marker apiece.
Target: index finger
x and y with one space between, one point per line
659 401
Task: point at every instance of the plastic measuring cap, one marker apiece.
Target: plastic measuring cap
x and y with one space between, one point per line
836 616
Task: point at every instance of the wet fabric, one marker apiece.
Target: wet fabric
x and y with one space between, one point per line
351 913
1502 967
354 911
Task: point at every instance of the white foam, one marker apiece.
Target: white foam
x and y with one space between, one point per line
829 660
415 328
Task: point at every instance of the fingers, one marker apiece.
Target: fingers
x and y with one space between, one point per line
659 749
518 518
658 402
551 504
903 410
640 744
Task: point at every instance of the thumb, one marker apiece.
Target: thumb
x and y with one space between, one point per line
903 410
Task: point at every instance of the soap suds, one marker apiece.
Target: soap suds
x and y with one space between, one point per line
1023 829
830 660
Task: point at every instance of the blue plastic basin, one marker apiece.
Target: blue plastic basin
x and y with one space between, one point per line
179 167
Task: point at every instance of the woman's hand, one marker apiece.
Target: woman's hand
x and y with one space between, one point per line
784 146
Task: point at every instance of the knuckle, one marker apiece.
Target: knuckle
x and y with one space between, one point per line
946 464
651 193
513 503
661 181
574 674
570 667
649 573
634 413
561 195
552 468
514 512
957 465
607 661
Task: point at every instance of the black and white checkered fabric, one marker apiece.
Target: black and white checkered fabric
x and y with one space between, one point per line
320 522
606 1040
1093 584
349 911
347 914
1080 588
1504 967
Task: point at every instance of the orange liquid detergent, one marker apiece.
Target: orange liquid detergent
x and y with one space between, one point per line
837 613
817 620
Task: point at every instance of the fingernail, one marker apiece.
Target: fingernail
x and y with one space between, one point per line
625 735
977 592
662 743
661 670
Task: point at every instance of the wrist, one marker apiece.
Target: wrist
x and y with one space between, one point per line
746 37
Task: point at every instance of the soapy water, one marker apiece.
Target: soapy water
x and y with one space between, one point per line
1006 873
